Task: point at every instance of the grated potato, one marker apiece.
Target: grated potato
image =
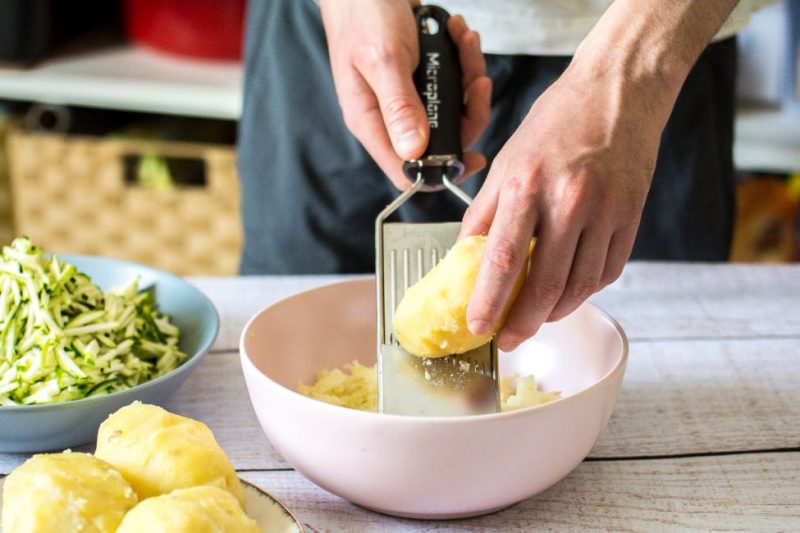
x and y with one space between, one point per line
517 392
357 388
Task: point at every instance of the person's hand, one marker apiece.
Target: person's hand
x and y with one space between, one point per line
575 175
374 51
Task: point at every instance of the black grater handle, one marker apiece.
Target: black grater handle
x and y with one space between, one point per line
438 80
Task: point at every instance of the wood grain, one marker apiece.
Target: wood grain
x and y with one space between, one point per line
683 397
754 492
686 397
651 300
704 436
693 397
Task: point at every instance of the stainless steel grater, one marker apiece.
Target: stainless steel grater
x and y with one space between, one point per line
455 385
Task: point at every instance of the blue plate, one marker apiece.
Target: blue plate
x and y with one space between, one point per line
32 428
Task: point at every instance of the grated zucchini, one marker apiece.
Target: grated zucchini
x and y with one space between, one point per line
62 338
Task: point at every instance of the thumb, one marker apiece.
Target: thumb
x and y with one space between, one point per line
402 111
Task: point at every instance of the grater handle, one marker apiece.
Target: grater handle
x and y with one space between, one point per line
438 80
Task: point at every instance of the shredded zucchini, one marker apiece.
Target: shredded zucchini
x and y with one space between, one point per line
62 338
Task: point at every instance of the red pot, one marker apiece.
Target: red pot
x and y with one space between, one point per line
211 29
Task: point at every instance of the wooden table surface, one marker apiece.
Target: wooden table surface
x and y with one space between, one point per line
705 434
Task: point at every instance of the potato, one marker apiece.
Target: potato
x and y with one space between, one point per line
203 509
65 492
159 452
431 319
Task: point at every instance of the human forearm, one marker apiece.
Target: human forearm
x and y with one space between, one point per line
577 171
651 45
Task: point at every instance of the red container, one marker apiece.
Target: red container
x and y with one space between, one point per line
210 29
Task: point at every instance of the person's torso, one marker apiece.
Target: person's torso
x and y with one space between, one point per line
551 27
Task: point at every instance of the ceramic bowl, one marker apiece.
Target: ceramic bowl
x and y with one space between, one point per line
426 467
32 428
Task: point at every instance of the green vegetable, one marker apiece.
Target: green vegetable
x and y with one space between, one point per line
62 338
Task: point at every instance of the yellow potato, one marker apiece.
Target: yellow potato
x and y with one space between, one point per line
194 510
159 452
431 320
65 492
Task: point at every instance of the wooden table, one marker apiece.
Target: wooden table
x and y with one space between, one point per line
705 435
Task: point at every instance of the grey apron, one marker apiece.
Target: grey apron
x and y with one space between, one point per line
310 193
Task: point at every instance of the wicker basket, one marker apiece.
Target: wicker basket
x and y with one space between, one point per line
70 196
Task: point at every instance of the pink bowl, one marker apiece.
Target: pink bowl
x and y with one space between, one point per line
426 467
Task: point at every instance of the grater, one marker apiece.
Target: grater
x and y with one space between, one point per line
454 385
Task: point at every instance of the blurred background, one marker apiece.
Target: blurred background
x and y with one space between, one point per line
118 125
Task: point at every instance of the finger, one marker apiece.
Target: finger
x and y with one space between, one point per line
504 256
363 118
584 277
479 216
457 27
473 162
468 42
477 86
390 79
550 266
619 250
477 111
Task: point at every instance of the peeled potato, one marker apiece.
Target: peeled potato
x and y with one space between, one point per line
159 452
65 492
194 510
431 320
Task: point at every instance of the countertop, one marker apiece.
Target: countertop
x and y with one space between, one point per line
705 434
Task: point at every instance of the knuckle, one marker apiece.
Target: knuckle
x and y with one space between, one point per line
583 288
381 53
548 292
571 198
518 196
398 109
504 259
518 191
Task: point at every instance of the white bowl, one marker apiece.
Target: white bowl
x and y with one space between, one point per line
426 467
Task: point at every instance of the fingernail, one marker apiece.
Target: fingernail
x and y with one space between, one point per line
479 327
408 142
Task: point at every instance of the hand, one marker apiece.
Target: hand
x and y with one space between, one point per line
575 174
374 52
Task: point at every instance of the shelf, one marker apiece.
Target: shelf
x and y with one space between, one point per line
767 139
136 79
131 79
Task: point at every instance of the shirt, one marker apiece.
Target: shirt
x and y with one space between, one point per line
552 27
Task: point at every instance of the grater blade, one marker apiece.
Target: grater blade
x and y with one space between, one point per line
455 385
409 385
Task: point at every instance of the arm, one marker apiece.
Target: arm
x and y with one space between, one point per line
577 171
373 51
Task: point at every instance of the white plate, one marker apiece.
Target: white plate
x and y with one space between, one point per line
270 514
